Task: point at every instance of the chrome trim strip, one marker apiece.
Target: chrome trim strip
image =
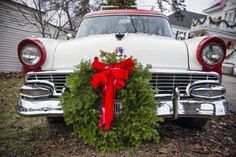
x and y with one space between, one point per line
46 77
169 71
183 107
44 82
165 81
186 108
175 101
40 107
193 108
48 72
24 87
154 70
41 82
51 71
201 85
219 88
50 113
200 82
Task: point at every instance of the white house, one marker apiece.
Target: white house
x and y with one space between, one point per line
220 21
181 25
13 28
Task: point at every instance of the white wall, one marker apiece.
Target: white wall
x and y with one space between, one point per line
230 7
13 28
229 11
216 13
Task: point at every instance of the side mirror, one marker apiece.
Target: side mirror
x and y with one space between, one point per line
69 36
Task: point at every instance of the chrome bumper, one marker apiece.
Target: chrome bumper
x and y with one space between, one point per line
168 108
193 108
188 107
40 107
175 105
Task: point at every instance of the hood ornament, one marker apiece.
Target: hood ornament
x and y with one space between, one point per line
119 36
119 51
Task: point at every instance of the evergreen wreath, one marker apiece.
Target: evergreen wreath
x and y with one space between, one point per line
135 124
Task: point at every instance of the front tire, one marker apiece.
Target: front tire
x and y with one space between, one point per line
55 120
197 123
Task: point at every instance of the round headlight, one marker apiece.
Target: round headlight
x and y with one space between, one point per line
212 54
30 54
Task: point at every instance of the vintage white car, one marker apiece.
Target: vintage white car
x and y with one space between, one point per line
186 73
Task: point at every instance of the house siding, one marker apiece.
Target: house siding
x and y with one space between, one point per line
13 28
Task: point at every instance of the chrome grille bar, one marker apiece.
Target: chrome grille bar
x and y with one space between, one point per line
165 82
57 79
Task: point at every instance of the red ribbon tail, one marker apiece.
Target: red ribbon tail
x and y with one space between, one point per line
108 104
111 78
107 126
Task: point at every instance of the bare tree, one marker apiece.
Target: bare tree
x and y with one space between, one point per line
96 5
74 10
175 5
82 8
65 14
47 14
38 14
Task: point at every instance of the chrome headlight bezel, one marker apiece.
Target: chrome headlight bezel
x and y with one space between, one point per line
30 54
198 89
212 53
37 89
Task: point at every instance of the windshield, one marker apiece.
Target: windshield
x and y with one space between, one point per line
154 25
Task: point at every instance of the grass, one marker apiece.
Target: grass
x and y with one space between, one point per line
18 134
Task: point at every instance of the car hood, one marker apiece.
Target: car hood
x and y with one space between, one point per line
160 52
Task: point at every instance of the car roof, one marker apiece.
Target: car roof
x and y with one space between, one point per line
124 11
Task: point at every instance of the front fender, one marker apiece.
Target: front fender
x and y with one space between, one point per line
50 46
192 45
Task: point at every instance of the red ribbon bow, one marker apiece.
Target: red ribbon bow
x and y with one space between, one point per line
111 78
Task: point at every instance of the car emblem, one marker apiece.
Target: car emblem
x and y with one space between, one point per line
119 51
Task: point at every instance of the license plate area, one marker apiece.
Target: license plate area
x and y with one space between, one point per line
118 107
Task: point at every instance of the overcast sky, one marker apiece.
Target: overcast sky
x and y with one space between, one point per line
191 5
198 5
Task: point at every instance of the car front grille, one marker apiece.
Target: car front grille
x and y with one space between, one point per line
58 79
162 82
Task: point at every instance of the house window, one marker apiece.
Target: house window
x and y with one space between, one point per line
225 16
230 17
234 16
180 35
